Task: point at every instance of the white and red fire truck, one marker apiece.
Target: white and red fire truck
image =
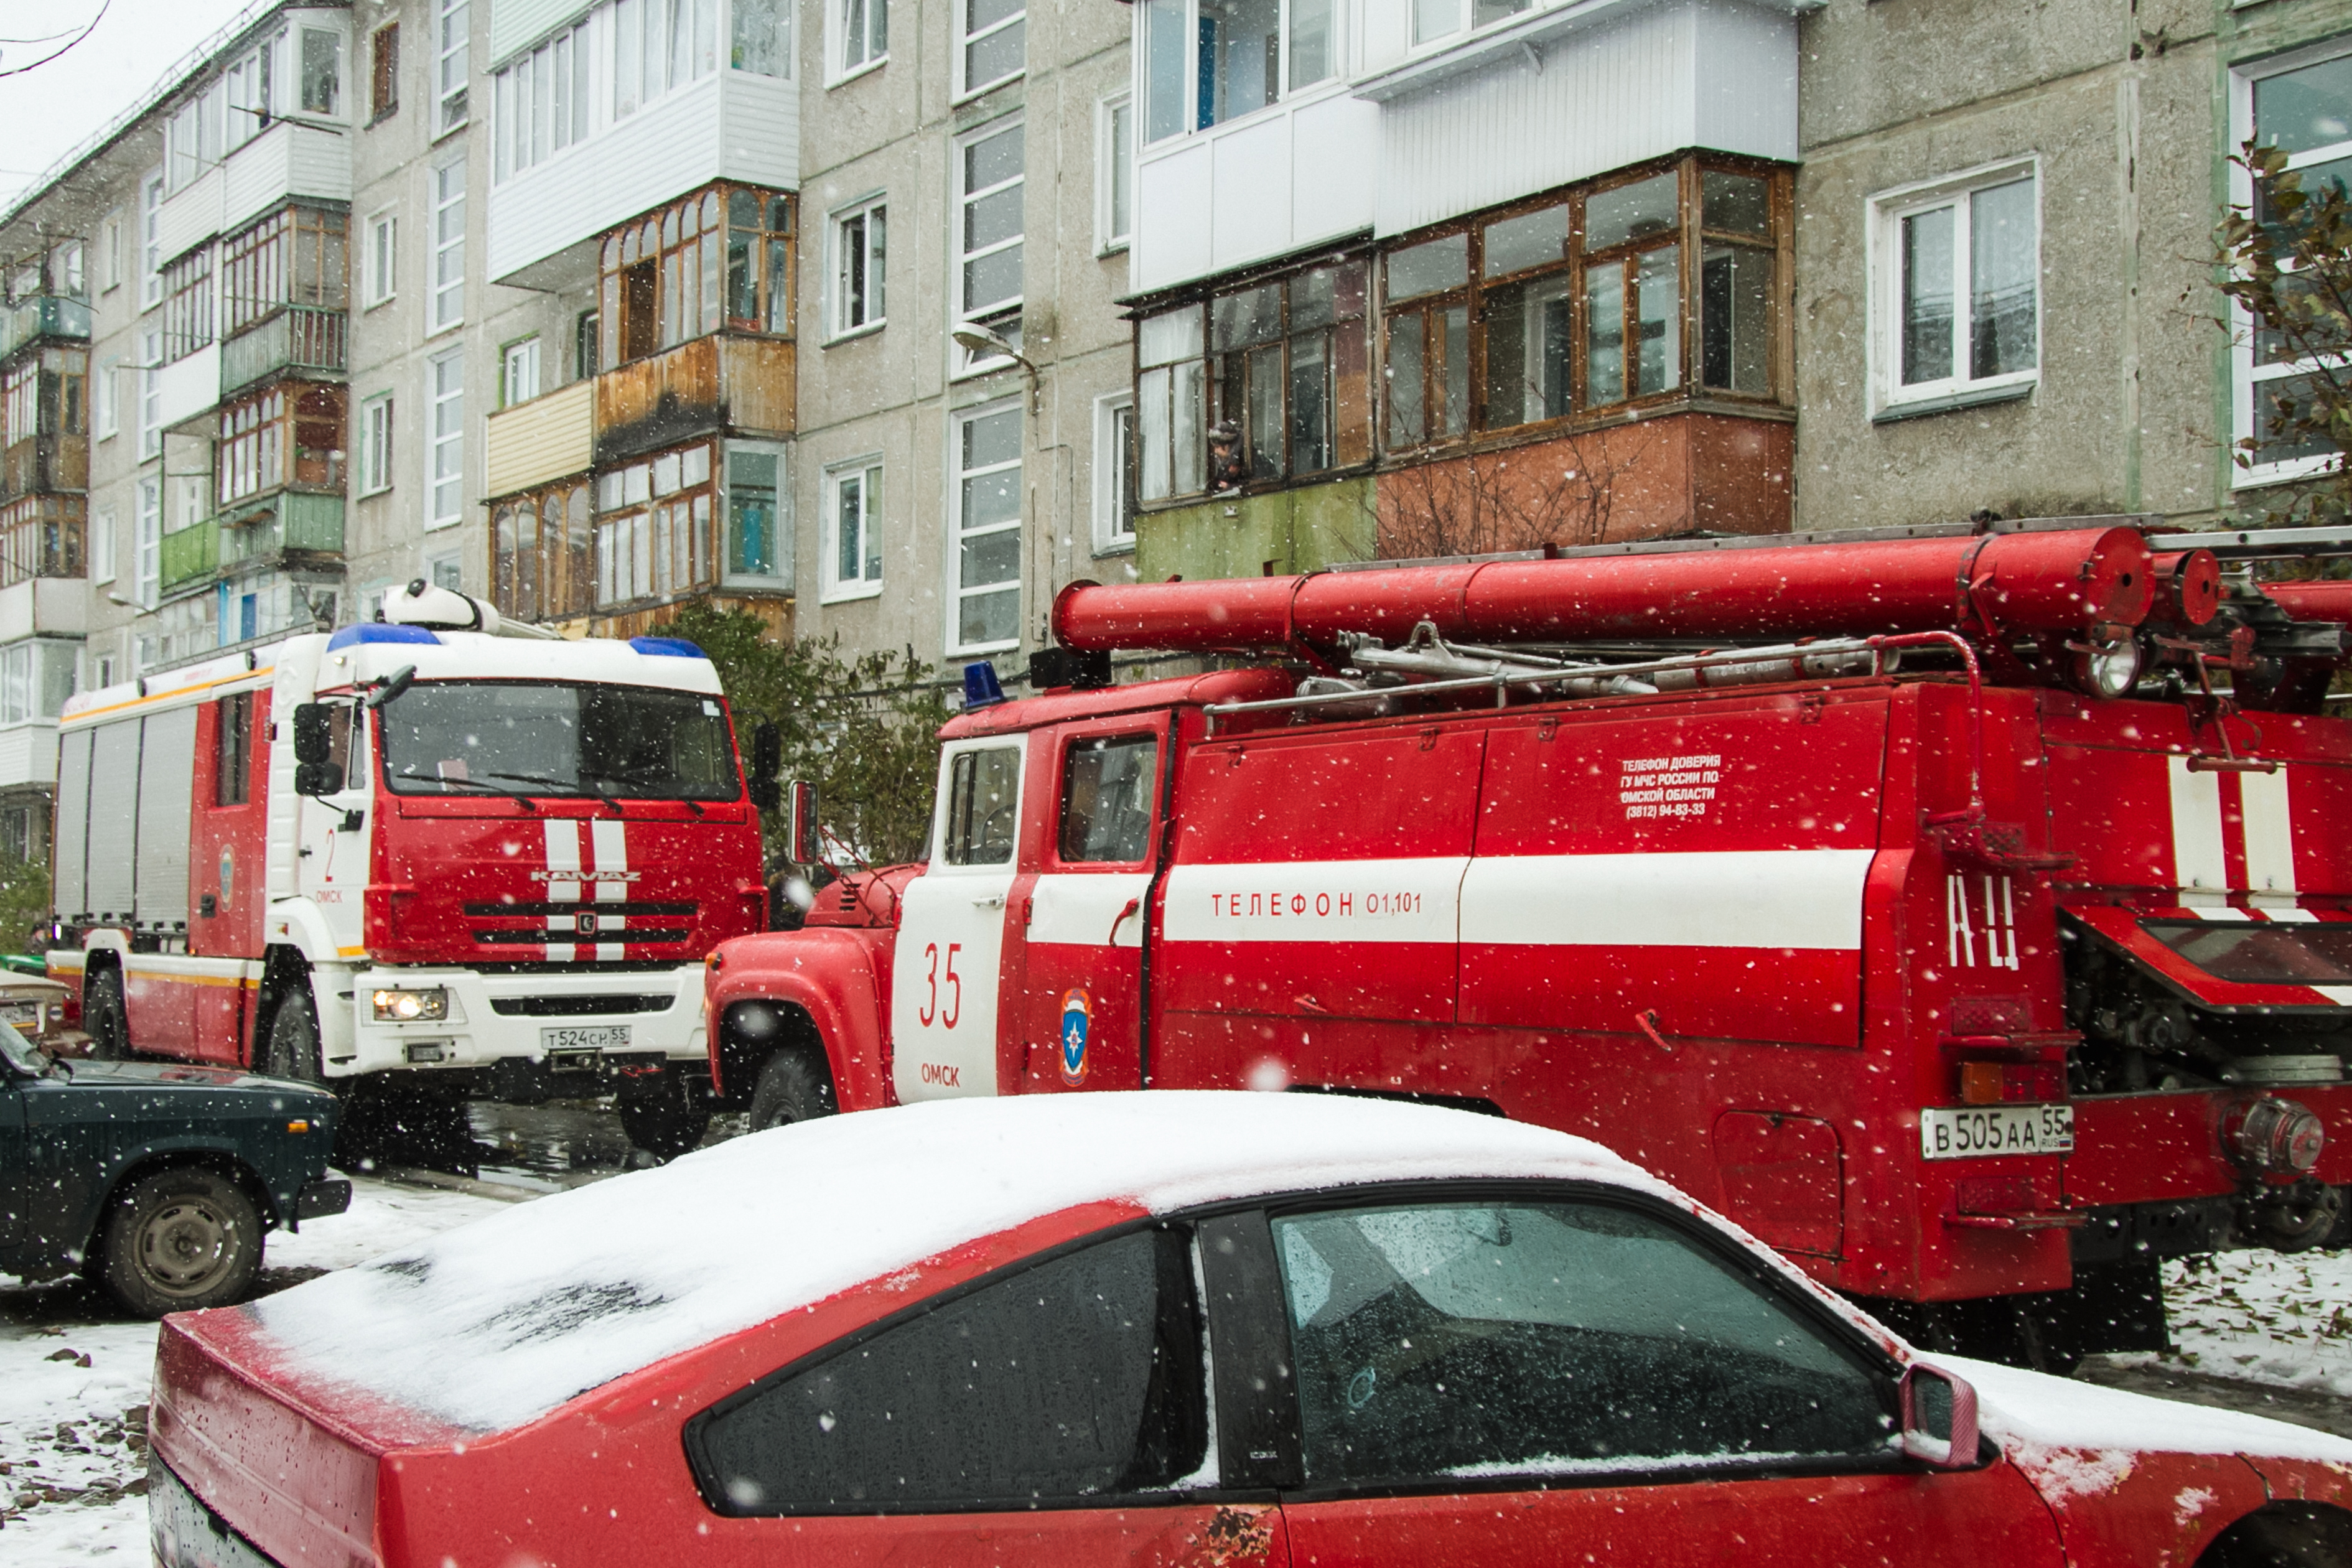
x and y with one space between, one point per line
416 855
1967 912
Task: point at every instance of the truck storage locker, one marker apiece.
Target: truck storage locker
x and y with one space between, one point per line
167 769
113 818
71 838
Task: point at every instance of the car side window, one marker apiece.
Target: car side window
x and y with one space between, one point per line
1106 798
1076 1380
1481 1339
984 789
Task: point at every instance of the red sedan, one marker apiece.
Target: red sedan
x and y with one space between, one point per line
1245 1331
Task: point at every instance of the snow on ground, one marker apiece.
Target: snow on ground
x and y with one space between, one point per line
74 1380
2272 1318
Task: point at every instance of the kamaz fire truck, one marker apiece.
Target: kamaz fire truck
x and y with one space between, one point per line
1967 912
425 858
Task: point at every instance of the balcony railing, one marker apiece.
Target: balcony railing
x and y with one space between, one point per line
297 338
41 538
551 437
43 316
290 523
719 382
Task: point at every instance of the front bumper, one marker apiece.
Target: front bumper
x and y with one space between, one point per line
492 1018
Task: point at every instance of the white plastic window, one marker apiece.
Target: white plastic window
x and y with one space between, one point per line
852 537
986 561
1956 297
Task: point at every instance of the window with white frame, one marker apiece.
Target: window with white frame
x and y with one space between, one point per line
110 253
151 241
36 675
105 399
446 451
1114 472
860 248
990 194
2302 106
861 34
323 71
450 67
853 528
1114 172
1442 18
375 445
761 37
993 43
449 244
446 571
519 373
542 101
1208 62
151 392
147 562
102 528
759 547
1956 287
659 46
380 269
985 513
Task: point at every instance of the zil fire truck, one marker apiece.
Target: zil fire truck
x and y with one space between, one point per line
425 858
1966 911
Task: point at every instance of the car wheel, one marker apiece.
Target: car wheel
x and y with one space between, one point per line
665 1121
791 1087
105 1017
293 1048
179 1240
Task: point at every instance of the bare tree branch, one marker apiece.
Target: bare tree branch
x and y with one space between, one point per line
60 51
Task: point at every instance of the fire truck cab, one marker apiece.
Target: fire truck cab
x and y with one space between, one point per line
1919 902
414 857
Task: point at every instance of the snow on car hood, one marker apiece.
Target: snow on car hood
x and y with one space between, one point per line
495 1323
2075 1439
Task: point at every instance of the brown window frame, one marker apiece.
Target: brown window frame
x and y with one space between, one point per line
188 304
298 256
677 535
675 274
285 436
538 572
384 72
41 535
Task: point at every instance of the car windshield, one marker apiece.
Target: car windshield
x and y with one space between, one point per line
20 1052
632 743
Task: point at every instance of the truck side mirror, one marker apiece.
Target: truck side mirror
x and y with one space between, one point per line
806 850
1939 1418
315 771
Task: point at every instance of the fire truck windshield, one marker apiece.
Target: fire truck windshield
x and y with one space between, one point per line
512 737
2300 954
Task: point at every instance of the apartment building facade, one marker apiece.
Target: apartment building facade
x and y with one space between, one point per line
1463 275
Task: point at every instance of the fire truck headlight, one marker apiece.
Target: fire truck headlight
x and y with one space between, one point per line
2109 668
420 1006
2275 1137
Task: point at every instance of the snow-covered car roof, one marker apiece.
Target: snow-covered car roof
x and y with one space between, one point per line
490 1325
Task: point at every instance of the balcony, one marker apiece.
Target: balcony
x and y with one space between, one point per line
549 437
730 125
291 528
43 316
40 536
44 465
286 160
296 339
723 382
187 390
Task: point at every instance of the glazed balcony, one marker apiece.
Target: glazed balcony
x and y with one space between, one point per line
739 384
289 161
50 316
41 537
292 527
308 343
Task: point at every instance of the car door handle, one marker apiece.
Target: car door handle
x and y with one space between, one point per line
997 902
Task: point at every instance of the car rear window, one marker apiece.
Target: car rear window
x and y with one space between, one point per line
2261 953
1073 1380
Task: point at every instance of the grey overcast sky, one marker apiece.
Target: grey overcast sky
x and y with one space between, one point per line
47 112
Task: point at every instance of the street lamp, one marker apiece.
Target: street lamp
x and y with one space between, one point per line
978 342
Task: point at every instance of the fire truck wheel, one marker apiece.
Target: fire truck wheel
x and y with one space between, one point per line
666 1121
179 1240
791 1087
108 1020
293 1048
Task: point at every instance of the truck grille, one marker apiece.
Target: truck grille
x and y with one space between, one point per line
519 911
635 936
553 922
576 1006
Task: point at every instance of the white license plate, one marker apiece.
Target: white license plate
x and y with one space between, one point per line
585 1037
1975 1132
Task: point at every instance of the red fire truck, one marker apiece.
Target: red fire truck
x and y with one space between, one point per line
417 858
1966 911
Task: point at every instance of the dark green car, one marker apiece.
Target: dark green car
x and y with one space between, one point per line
155 1179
